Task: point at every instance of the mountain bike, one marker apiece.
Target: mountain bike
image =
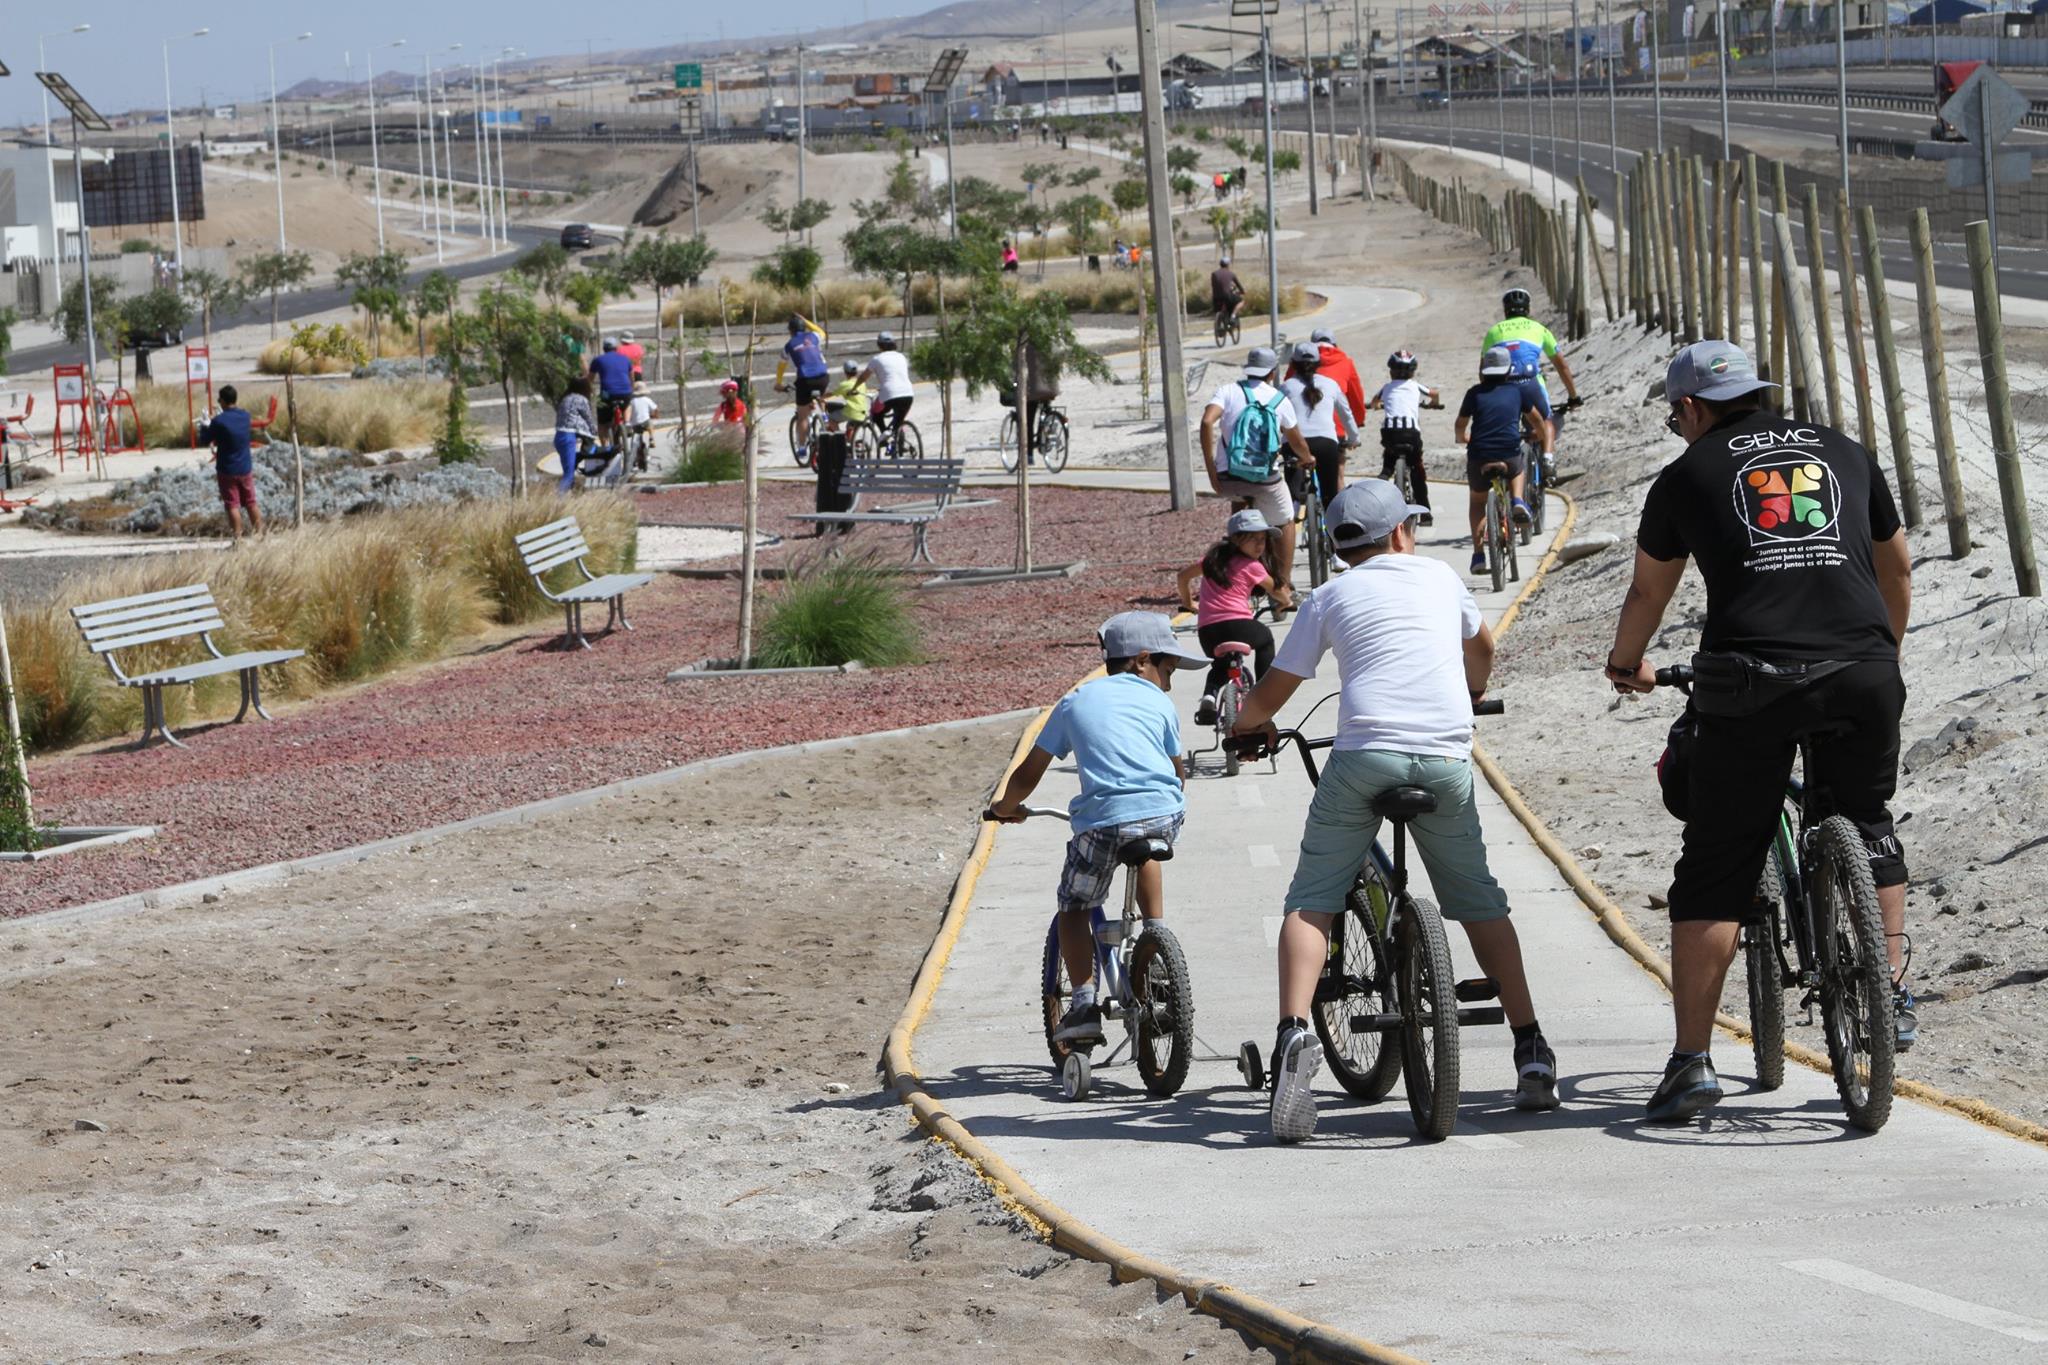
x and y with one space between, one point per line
1315 530
1229 329
1387 1006
803 435
1048 439
1141 977
1497 529
1534 460
1818 930
890 445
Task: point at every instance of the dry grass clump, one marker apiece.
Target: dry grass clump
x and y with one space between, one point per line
361 597
359 415
393 343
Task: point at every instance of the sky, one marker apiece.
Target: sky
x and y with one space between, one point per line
118 63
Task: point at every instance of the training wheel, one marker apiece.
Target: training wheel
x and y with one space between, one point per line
1250 1067
1075 1075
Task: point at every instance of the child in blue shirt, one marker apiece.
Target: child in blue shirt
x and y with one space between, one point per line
1125 738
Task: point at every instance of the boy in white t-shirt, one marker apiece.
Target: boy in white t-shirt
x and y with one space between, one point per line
640 415
1402 398
1413 656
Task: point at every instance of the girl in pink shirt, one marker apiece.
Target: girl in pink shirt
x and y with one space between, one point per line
1229 573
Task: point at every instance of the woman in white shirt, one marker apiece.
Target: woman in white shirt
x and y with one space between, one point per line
1326 420
888 373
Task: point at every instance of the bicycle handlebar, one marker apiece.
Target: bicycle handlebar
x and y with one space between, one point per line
1255 745
1675 675
1049 812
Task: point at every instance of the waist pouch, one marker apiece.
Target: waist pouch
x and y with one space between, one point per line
1734 684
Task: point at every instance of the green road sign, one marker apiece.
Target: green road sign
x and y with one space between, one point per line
689 75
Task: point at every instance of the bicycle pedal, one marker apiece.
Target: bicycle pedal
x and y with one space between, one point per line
1478 988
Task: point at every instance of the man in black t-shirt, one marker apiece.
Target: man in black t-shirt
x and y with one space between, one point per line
1796 535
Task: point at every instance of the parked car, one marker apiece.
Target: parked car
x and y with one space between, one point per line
578 237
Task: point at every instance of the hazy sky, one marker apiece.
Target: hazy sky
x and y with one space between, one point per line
119 63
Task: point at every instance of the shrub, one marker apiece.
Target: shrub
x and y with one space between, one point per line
137 246
708 460
456 442
359 415
360 596
794 267
836 612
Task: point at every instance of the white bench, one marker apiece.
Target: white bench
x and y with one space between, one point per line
173 614
938 480
561 542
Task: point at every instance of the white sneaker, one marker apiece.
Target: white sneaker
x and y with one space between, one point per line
1296 1056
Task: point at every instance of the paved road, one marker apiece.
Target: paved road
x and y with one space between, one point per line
1768 1233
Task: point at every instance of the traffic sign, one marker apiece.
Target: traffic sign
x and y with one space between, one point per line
1986 114
2010 168
690 116
689 75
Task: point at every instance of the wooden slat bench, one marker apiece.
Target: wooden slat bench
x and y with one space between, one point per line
561 542
937 480
173 614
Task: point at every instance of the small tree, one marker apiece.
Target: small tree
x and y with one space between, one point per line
1080 214
436 293
588 289
1081 177
1182 159
1186 187
214 293
903 189
799 218
109 326
666 263
1128 195
310 345
545 268
275 272
1286 160
508 339
793 266
1224 224
377 282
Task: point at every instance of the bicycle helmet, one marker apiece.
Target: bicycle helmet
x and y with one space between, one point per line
1223 260
1401 364
849 368
887 341
1515 303
729 388
796 324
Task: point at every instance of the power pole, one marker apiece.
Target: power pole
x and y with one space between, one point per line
1368 101
1180 469
1308 83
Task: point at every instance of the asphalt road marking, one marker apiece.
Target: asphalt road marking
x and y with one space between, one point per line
1485 1142
1263 855
1926 1300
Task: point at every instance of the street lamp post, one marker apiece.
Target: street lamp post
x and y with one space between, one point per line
1721 43
376 165
50 169
171 147
276 138
432 187
1369 110
447 115
1308 60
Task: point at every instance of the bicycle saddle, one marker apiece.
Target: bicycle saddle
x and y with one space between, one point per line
1230 647
1495 467
1149 850
1403 803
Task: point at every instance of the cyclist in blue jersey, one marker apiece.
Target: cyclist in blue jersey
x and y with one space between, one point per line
1528 342
805 350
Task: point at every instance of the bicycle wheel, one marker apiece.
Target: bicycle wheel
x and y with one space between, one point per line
1855 980
860 442
1165 1012
1007 443
909 445
1052 442
1429 1019
1404 480
798 447
1507 538
1228 703
1054 992
1236 330
1496 549
1760 939
1358 981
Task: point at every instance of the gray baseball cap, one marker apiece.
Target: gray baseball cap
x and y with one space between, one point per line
1307 353
1321 336
1248 522
1131 633
1497 360
1367 510
1713 370
1261 361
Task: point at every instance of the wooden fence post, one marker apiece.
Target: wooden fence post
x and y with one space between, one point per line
1703 247
2005 440
1759 310
1593 246
1716 187
1662 258
1731 240
1852 324
1888 367
1798 322
1667 192
1689 281
1823 320
1935 359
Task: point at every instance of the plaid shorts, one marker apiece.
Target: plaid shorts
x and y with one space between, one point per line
1091 858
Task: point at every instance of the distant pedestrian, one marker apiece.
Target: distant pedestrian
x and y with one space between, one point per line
234 464
633 351
574 423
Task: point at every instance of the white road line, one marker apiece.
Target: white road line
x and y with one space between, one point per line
1263 855
1249 796
1485 1142
1926 1300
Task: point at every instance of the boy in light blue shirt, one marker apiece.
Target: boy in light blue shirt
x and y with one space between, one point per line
1125 738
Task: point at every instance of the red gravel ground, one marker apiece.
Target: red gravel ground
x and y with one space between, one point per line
523 721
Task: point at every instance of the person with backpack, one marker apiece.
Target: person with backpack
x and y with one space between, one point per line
1243 429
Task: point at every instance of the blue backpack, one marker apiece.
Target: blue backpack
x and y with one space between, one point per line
1253 451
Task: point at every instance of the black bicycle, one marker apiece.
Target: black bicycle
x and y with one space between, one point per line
1387 1006
1818 930
1229 328
1048 439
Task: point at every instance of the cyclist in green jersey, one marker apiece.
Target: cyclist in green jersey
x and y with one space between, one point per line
1528 342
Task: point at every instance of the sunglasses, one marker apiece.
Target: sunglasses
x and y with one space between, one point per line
1672 424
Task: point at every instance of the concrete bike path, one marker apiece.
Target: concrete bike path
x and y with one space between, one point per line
1769 1231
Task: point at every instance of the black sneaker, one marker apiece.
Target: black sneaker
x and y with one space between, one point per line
1426 519
1205 709
1296 1055
1535 1075
1080 1024
1689 1087
1905 1019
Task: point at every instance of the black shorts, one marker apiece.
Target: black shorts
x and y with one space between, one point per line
808 390
1400 442
1329 465
1479 482
1740 768
611 407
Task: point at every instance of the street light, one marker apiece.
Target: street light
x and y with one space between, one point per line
56 234
447 114
376 165
171 145
276 138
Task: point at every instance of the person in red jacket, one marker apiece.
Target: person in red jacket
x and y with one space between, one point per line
1338 369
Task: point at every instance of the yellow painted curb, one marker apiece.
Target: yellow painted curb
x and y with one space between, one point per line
1295 1338
1615 921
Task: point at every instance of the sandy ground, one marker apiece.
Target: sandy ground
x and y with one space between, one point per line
534 1091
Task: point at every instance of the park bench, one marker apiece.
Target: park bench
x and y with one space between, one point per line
936 481
173 614
561 542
